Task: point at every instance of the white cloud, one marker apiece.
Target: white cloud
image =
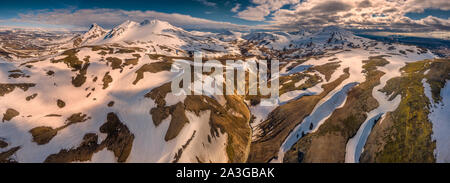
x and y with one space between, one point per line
351 14
254 13
420 5
361 14
263 8
111 17
207 3
236 8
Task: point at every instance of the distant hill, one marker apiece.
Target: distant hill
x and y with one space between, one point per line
429 43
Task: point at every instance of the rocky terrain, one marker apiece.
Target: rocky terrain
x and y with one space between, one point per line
105 96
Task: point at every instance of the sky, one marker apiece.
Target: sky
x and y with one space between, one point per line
373 15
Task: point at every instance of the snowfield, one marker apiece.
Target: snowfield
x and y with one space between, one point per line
52 102
439 116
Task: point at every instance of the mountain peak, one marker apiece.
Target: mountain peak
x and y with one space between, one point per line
94 32
127 23
120 29
157 23
94 26
145 22
95 29
130 30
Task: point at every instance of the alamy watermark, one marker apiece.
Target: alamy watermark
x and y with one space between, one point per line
192 81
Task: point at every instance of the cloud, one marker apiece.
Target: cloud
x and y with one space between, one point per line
361 14
254 13
263 8
435 22
364 4
207 3
420 5
236 8
109 18
332 7
381 15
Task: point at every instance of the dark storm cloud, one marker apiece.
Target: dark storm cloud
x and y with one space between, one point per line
364 4
332 7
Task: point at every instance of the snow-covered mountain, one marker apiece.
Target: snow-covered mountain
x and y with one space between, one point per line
326 38
144 31
230 36
108 99
95 32
164 38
